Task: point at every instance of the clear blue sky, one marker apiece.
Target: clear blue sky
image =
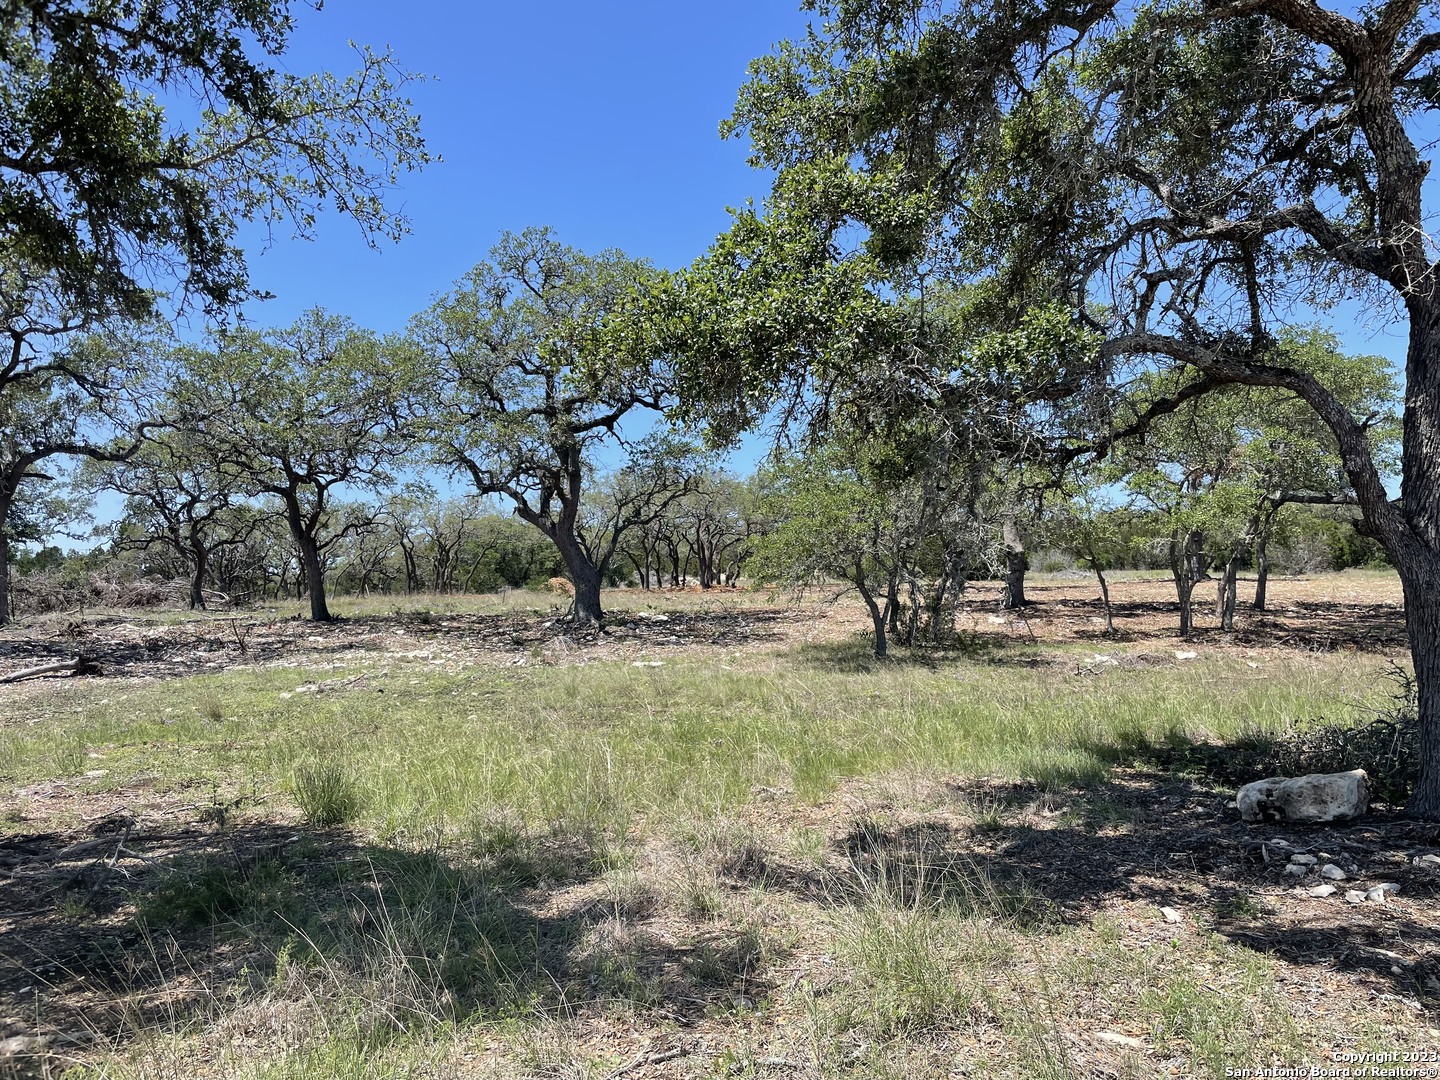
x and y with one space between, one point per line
598 119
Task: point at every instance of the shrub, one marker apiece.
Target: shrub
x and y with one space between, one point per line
1386 746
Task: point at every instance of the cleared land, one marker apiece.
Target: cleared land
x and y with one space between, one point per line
717 840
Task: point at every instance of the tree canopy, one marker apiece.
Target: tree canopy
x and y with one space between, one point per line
137 136
531 387
300 414
1182 180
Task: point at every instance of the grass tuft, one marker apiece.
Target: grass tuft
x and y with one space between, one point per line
327 794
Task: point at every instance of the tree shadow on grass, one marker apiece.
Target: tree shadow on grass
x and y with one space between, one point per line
1299 624
1038 859
110 934
856 655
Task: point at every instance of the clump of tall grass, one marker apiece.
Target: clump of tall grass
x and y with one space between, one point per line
327 794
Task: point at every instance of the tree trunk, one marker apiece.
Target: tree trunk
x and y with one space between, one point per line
912 617
1105 599
1183 560
1262 558
587 595
1422 621
1417 555
877 614
4 575
586 577
5 612
1226 597
1262 571
197 579
314 577
1227 593
1015 565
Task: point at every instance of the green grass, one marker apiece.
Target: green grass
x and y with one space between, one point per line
603 744
326 794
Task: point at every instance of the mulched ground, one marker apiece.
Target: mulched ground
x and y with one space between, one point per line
1332 612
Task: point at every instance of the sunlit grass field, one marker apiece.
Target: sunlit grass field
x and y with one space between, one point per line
609 744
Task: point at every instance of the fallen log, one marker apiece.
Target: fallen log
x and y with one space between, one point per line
81 665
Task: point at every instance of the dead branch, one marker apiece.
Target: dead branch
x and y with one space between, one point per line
79 666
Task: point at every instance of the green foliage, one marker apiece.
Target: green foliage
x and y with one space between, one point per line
105 178
295 414
1385 743
828 522
212 895
539 359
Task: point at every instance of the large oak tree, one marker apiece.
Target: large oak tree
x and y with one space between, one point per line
305 415
1185 177
531 390
138 136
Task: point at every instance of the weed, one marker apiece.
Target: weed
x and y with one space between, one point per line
1240 905
211 708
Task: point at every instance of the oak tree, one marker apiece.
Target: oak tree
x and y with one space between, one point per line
1184 177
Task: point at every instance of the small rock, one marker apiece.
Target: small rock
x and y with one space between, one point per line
1389 886
1333 872
22 1045
1355 896
1171 915
1431 859
1375 895
1186 655
1304 860
1116 1039
1321 891
1296 869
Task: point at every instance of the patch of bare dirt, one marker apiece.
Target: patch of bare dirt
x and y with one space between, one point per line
1347 611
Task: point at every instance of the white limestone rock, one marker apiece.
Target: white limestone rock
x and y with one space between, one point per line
1314 798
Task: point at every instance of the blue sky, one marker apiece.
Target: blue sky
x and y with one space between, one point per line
598 119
